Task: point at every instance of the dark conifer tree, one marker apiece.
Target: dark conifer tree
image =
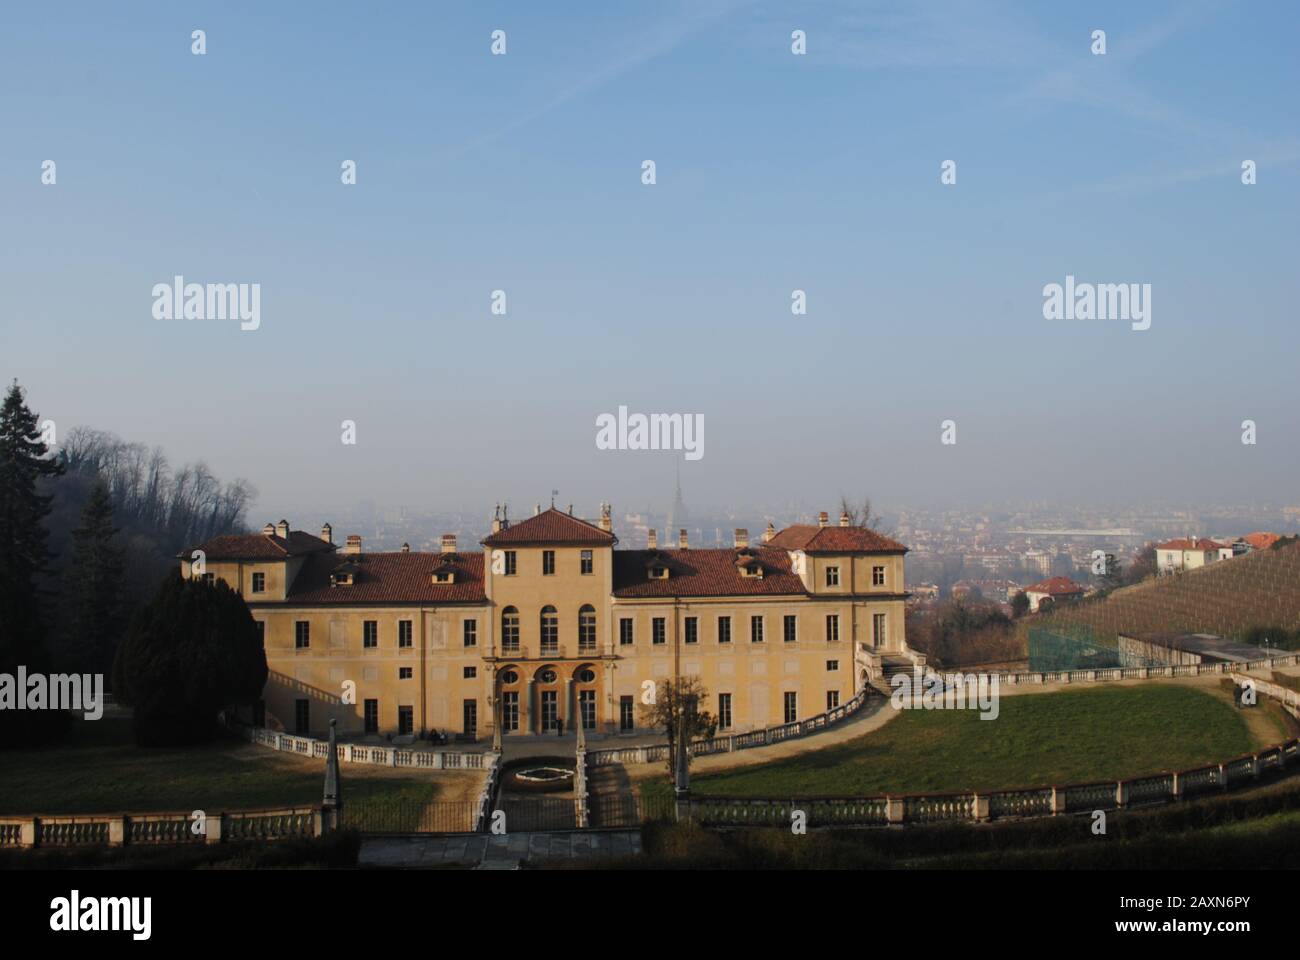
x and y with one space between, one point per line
93 587
24 461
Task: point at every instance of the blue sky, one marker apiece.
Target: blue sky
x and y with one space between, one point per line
775 172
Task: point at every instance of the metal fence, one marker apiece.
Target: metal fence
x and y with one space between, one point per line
410 816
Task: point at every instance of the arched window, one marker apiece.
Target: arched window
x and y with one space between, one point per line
587 627
510 629
550 630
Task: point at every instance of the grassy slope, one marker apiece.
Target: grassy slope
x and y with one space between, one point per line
1067 737
99 770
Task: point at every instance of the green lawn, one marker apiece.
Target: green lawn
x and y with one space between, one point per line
98 769
1038 739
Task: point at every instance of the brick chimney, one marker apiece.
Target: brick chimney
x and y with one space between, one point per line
742 538
406 548
354 543
681 540
844 518
823 519
449 543
268 530
327 533
769 533
605 523
652 539
282 529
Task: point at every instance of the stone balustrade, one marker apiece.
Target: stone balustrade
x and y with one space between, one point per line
138 829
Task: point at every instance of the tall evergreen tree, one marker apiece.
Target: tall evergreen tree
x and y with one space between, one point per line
93 587
193 649
24 462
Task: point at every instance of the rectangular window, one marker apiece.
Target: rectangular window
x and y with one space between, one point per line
832 699
788 628
658 632
832 665
832 627
877 576
405 721
586 561
550 711
301 634
791 706
470 631
587 708
626 713
724 711
404 673
692 630
756 628
404 633
724 629
470 673
548 562
302 717
372 716
625 632
832 576
370 634
510 563
510 711
470 715
878 635
259 583
261 633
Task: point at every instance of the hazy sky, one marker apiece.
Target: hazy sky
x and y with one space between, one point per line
775 172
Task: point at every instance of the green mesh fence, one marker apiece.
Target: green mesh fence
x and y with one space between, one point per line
1073 646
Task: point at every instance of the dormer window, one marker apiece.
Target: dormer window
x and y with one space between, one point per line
752 570
444 576
658 572
344 575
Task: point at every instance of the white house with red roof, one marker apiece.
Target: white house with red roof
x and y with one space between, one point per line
1055 589
1188 554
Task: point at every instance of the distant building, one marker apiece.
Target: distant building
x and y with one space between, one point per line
1188 648
1055 589
1187 554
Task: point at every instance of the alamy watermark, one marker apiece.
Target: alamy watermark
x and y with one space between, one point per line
655 431
929 690
179 300
1098 301
59 691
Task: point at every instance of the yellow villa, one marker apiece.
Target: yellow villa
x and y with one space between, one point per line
561 626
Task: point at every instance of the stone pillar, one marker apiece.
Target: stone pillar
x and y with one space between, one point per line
27 832
1177 790
981 808
332 803
894 810
1058 801
533 725
1121 794
117 831
496 720
1223 776
213 828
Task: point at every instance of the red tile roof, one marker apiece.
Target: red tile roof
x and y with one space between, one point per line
389 578
1055 587
1261 540
814 539
1205 543
705 573
551 526
260 546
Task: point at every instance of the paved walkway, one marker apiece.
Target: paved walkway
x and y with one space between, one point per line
491 852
